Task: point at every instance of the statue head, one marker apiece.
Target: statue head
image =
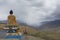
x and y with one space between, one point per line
11 12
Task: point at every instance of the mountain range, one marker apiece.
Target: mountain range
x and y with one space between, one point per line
49 30
49 25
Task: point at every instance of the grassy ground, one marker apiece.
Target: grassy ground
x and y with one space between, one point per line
47 35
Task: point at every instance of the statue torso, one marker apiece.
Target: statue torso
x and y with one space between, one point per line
11 19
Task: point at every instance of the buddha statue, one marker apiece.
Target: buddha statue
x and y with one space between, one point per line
11 18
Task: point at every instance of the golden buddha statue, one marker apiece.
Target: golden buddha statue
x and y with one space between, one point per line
11 19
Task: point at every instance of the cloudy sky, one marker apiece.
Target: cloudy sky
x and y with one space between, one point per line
31 12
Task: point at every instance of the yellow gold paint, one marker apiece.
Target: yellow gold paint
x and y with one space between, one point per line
11 20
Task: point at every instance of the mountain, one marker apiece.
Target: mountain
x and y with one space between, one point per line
47 31
45 25
3 22
50 25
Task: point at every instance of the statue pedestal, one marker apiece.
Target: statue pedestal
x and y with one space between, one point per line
12 32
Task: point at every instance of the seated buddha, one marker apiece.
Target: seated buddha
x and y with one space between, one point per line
11 19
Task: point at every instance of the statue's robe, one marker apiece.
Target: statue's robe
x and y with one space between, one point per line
11 20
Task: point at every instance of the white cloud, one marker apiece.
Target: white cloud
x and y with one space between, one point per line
1 1
38 14
32 12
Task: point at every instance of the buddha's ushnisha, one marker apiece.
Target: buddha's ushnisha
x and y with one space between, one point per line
11 18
